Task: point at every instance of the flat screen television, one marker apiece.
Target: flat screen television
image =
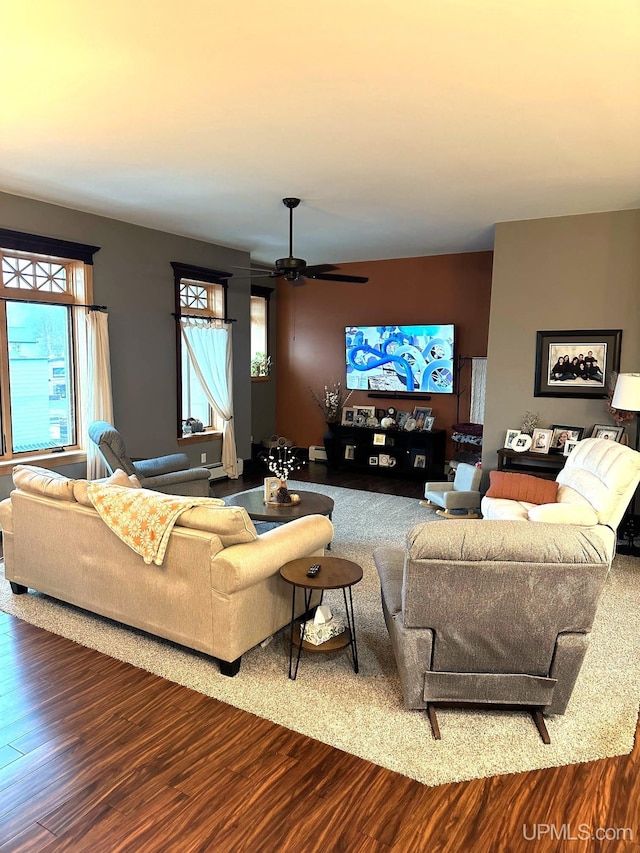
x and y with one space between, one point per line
400 358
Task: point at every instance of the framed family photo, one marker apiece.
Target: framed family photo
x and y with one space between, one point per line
576 363
509 438
615 433
348 416
541 440
562 434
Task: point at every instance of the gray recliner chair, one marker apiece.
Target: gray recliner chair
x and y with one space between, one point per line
169 474
492 612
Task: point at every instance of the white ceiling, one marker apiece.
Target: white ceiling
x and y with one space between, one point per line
408 127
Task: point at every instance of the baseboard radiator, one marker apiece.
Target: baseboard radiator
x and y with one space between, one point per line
216 471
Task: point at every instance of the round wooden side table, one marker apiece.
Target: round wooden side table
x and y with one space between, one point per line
335 573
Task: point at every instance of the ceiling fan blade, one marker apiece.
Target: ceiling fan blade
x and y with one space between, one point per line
358 279
316 268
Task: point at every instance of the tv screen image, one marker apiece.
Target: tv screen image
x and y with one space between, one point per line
400 358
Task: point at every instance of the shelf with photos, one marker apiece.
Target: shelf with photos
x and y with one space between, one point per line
376 442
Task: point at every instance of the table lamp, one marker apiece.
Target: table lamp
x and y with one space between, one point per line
626 396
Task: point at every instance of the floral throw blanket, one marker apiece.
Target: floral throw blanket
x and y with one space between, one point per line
141 518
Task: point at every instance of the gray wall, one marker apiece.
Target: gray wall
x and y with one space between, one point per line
572 272
133 277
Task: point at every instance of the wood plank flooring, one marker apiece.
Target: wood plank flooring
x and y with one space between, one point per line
96 755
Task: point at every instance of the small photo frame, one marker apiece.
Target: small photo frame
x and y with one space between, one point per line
379 438
271 486
522 442
419 460
401 419
614 433
364 412
509 438
428 423
373 460
541 440
348 416
420 414
568 446
349 451
562 434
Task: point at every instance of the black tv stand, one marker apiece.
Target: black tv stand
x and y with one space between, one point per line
415 454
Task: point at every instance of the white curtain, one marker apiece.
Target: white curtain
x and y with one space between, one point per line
97 398
208 343
478 389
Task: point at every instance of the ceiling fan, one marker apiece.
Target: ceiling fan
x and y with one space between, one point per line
296 270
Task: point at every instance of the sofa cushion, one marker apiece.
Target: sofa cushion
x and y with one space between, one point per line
231 523
42 481
521 487
118 478
560 513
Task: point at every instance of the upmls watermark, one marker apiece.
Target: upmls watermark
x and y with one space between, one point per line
581 832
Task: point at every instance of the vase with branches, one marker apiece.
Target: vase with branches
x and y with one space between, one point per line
331 401
281 462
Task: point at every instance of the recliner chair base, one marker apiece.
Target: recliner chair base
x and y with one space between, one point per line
536 713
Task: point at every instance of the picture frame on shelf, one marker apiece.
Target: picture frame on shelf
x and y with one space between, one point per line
401 418
373 460
561 434
386 461
350 451
541 440
607 431
348 416
419 415
568 446
428 423
576 363
379 438
509 438
362 414
522 442
418 458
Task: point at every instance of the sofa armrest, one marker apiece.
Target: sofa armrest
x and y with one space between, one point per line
446 486
162 465
241 566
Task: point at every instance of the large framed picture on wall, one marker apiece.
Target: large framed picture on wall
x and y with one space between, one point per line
576 363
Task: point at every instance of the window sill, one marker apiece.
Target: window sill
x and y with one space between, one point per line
199 437
260 378
44 460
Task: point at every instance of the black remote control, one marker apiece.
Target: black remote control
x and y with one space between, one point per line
313 570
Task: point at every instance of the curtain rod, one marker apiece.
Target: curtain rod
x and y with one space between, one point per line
46 302
202 317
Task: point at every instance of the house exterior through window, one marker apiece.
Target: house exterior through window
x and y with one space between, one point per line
40 391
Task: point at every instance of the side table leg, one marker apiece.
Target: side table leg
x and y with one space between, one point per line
351 623
293 673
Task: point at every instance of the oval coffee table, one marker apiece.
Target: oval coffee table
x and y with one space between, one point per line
310 503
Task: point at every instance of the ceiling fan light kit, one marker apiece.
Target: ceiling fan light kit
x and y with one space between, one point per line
296 270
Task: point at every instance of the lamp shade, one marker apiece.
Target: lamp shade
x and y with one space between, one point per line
626 395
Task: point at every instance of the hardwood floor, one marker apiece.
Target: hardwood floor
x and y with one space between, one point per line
96 755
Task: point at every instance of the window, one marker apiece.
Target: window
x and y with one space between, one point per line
202 293
260 351
39 397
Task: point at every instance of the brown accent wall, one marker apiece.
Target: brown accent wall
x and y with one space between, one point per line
312 317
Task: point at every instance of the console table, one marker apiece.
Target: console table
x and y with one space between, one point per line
544 465
387 451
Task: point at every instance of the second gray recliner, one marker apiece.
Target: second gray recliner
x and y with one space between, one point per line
169 474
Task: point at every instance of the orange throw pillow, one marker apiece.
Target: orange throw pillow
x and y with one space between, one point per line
522 487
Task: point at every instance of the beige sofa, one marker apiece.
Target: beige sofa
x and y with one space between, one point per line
218 589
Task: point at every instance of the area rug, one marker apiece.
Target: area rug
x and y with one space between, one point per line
364 714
